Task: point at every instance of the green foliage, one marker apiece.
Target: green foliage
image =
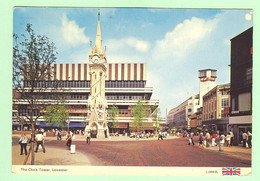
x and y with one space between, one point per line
56 114
113 115
156 117
139 113
33 56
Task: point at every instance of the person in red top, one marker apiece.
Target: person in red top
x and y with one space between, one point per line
214 136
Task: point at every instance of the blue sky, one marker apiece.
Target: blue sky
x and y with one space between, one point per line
175 43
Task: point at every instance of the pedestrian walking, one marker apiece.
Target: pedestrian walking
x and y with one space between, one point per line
137 135
40 141
231 137
191 139
160 135
207 139
69 139
213 140
244 136
23 143
88 138
228 139
200 139
249 139
221 141
58 135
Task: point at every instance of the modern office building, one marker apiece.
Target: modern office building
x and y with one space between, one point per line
91 88
241 83
179 115
216 105
196 121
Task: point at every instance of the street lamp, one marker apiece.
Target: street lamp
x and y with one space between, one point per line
21 122
68 122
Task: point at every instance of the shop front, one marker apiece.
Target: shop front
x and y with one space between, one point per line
120 128
240 125
145 127
218 126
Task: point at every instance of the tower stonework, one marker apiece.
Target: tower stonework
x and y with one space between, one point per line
97 103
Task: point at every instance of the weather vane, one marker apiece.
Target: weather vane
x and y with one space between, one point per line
98 14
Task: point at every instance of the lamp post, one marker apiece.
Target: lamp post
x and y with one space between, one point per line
68 122
21 122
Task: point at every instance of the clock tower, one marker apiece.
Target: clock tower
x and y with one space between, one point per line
97 103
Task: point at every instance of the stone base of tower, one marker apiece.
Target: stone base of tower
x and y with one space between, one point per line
100 134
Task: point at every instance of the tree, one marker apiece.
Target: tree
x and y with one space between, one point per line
56 114
156 117
32 58
113 115
139 113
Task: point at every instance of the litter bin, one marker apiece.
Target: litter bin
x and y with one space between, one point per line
72 148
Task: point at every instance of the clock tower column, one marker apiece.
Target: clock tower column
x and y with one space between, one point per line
97 103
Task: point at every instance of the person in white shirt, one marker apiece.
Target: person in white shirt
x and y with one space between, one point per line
23 142
221 142
244 136
231 137
40 138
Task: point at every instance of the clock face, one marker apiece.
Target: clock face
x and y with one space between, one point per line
95 59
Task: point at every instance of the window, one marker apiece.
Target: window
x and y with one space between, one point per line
214 73
249 74
189 112
244 102
225 102
202 74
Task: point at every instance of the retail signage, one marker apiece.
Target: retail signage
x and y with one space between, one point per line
207 78
226 110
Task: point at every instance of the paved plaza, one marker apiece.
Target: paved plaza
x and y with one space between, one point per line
125 151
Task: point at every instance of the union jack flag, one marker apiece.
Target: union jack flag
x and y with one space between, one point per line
231 171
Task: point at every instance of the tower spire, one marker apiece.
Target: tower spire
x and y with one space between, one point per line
98 42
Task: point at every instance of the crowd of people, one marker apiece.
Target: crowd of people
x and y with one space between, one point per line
210 138
204 138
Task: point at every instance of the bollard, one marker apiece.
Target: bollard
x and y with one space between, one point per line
72 148
221 146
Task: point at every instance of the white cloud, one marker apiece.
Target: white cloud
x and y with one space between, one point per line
125 43
72 33
185 37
